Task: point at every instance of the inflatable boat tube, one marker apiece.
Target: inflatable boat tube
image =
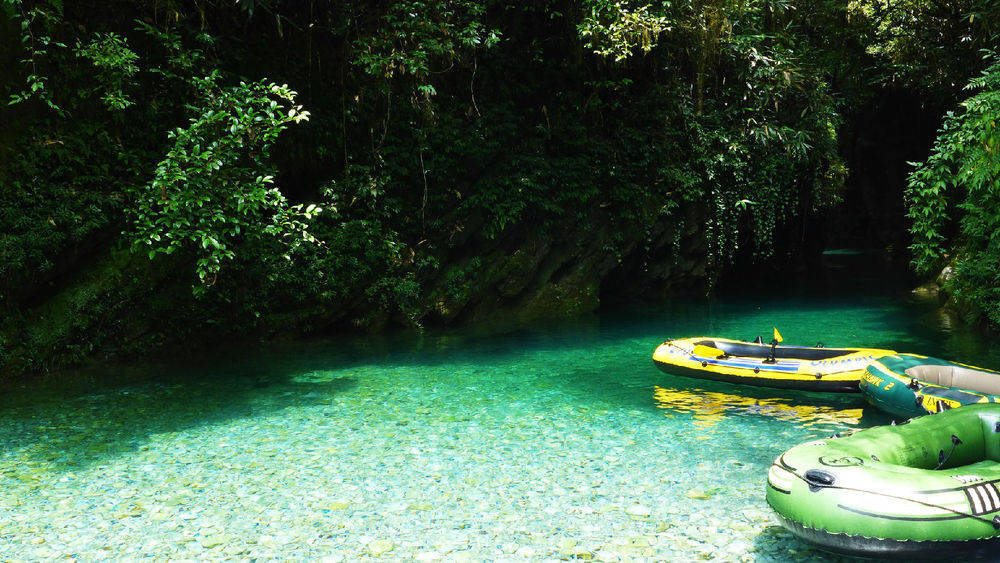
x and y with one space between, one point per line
766 365
926 488
908 385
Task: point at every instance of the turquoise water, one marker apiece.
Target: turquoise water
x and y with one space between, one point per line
537 442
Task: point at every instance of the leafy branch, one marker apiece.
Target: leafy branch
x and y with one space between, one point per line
215 188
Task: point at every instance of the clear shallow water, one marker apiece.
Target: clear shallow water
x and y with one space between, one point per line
549 441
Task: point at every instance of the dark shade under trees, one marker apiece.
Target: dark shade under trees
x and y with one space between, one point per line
185 171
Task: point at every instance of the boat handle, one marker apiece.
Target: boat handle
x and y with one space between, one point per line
818 479
942 458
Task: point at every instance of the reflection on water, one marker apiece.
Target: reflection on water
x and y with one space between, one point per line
709 408
538 441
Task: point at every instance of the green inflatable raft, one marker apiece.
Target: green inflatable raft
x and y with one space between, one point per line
909 385
928 487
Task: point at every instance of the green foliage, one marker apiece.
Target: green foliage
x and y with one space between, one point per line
182 60
927 43
758 121
962 175
453 143
615 29
115 65
61 193
213 189
413 35
36 21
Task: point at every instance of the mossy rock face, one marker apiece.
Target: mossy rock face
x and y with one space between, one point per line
121 304
953 311
539 277
68 326
945 275
515 272
562 299
929 290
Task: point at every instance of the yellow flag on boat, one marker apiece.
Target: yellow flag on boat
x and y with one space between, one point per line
777 335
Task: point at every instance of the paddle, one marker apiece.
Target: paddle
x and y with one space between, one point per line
707 351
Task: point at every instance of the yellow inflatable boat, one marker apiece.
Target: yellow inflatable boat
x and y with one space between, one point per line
767 365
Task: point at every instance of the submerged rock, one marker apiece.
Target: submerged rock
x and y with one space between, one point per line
566 544
638 510
379 547
698 494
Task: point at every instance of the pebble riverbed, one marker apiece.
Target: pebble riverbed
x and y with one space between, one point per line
555 443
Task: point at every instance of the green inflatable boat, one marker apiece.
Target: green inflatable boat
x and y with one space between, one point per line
909 385
928 487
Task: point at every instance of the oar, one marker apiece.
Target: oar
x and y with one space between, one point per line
707 351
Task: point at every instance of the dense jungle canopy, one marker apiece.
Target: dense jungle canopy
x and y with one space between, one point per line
186 171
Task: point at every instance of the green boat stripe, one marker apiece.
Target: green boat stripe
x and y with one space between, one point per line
957 513
783 491
956 489
785 465
983 498
910 518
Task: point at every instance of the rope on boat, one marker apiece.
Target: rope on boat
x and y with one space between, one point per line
995 522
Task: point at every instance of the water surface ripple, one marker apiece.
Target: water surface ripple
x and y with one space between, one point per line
550 441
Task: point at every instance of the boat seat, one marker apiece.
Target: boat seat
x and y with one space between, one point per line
956 376
748 350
